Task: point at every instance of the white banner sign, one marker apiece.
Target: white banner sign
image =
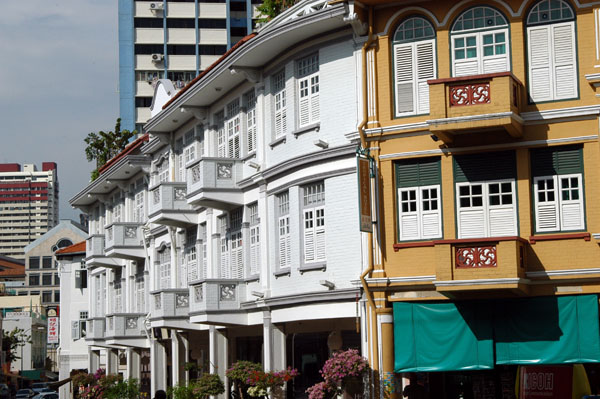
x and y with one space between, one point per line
53 330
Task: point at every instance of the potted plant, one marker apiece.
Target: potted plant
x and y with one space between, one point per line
239 372
266 384
342 372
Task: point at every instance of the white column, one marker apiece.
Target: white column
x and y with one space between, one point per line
186 356
158 368
219 353
174 358
267 341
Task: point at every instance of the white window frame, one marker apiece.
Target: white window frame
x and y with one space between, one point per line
190 150
225 255
254 239
164 268
204 255
139 205
251 127
234 126
220 132
308 90
420 223
313 223
140 294
279 104
481 59
486 218
283 230
568 214
191 255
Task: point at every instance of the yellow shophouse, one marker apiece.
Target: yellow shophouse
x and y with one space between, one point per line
483 127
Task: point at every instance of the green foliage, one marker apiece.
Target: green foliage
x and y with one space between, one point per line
12 341
239 372
122 389
205 386
269 9
103 146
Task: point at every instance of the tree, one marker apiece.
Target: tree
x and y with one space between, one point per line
102 146
12 341
269 9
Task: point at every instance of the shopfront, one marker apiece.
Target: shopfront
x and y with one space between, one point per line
486 348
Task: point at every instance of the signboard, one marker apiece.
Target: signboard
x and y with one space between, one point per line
16 315
548 382
53 330
364 194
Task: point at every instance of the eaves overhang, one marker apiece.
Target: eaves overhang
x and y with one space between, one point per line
254 54
117 176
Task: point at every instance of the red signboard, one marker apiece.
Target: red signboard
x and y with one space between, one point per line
547 382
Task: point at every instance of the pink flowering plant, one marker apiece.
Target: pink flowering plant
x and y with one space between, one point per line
336 371
250 378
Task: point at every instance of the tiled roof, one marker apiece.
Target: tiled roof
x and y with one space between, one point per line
72 249
211 67
11 267
135 144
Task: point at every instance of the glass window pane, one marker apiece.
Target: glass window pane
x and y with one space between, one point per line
507 199
459 54
501 49
471 53
551 196
500 37
488 51
476 189
494 188
575 194
471 41
460 42
488 39
494 200
425 205
477 201
434 205
464 190
506 187
465 203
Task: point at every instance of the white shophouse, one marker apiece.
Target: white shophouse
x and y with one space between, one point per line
231 230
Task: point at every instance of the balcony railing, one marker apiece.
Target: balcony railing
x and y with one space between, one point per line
490 102
125 240
124 325
95 252
95 328
480 264
213 182
170 303
168 205
216 295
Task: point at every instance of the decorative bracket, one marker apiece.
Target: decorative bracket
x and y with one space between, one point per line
251 74
200 113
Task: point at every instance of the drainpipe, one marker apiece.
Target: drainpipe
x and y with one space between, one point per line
363 143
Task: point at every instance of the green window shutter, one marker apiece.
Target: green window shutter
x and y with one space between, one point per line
485 166
552 161
418 172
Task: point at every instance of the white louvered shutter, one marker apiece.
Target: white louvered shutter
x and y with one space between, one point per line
320 247
75 330
314 98
497 62
284 242
565 79
237 269
546 203
309 235
472 219
540 75
304 101
254 250
251 130
466 66
502 218
409 216
204 269
571 202
404 78
280 114
225 271
431 217
425 54
221 144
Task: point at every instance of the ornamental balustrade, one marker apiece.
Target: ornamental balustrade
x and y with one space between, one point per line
170 303
476 257
470 94
216 294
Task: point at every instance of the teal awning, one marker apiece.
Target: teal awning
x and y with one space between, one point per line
547 330
442 337
475 335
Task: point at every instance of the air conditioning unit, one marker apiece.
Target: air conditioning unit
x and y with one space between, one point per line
157 57
156 5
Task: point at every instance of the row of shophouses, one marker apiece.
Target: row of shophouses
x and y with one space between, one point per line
231 229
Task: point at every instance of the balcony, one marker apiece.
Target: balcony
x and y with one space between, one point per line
125 240
170 304
125 329
95 329
168 205
474 265
217 301
212 182
95 255
473 104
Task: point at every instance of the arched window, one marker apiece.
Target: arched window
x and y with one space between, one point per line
414 64
551 51
480 42
62 243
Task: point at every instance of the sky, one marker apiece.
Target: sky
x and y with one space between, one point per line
58 82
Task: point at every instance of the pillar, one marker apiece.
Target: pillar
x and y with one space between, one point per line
112 361
218 355
388 378
133 363
175 363
186 356
93 360
158 368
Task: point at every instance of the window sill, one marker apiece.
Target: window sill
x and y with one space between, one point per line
313 267
249 156
554 237
281 273
277 141
308 128
252 279
415 244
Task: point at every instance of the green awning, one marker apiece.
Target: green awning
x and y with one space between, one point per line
466 335
442 337
547 330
